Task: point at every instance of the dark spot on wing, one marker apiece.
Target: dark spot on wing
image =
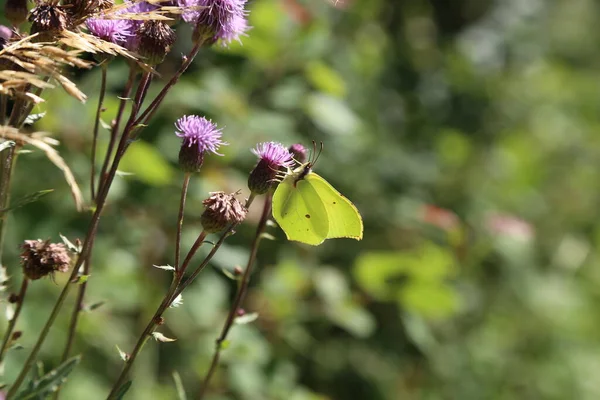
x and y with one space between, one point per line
307 215
334 202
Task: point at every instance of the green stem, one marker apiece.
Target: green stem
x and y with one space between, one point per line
242 289
77 308
154 321
8 159
184 188
86 249
96 128
115 128
213 251
13 321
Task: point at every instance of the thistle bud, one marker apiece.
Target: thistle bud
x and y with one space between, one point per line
41 258
155 41
215 20
298 152
47 20
220 211
273 156
15 11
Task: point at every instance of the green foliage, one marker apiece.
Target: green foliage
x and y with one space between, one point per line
42 387
465 133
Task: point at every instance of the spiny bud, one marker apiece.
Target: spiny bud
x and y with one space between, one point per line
298 152
155 41
220 211
47 20
41 258
273 156
16 11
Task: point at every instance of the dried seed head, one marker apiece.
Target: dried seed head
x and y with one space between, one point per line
221 210
15 11
80 9
41 258
155 41
47 20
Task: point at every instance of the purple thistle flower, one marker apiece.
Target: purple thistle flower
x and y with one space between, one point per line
112 30
273 156
299 152
199 136
141 7
223 20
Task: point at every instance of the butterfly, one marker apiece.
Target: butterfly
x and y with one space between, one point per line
310 210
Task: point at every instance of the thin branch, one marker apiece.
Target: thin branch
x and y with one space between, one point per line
13 321
95 134
243 287
184 188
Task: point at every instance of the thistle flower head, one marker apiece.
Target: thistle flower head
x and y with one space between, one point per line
273 156
155 39
15 11
47 19
132 42
299 152
223 20
112 30
199 136
220 211
5 35
41 258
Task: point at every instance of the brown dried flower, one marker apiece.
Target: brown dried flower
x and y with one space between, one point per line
41 258
47 20
221 210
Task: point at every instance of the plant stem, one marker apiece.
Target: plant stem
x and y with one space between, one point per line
149 112
3 108
86 248
95 134
210 255
184 188
175 290
243 287
8 159
13 322
77 308
166 302
115 128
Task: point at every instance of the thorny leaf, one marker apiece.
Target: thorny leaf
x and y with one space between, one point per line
69 244
165 267
124 356
30 198
7 144
246 318
177 302
33 118
162 338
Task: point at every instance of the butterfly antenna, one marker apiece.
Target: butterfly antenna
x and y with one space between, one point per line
318 154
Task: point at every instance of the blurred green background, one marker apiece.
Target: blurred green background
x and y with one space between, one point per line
466 133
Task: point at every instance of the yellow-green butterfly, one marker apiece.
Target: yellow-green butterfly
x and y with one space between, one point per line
310 210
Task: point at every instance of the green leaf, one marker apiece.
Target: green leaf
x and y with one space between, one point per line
246 318
81 279
123 390
30 198
147 164
326 79
179 386
50 382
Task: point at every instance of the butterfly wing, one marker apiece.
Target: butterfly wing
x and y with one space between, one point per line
343 217
300 212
